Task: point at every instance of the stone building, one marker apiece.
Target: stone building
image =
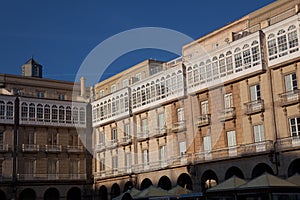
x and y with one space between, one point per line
42 155
228 106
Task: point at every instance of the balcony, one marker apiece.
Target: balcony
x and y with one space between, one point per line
30 147
234 151
159 132
227 114
143 136
4 148
257 147
289 98
42 177
73 113
111 107
53 148
288 143
111 144
179 126
100 147
254 107
203 120
126 140
74 148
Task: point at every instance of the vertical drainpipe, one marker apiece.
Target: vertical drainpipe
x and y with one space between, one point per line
15 146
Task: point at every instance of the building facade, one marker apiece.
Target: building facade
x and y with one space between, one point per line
42 155
228 106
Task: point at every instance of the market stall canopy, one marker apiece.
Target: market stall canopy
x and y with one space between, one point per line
151 192
178 190
294 179
267 181
132 192
230 184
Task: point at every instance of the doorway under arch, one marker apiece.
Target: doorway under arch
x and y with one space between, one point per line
164 183
185 181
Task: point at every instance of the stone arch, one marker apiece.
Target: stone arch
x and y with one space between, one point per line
115 190
234 171
184 180
74 194
27 194
164 183
103 193
51 194
294 167
260 169
3 195
208 180
146 183
128 185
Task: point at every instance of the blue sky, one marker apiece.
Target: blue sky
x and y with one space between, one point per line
60 34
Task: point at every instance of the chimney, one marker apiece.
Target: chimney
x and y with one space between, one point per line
82 86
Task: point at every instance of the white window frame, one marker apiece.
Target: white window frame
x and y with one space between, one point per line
259 133
228 101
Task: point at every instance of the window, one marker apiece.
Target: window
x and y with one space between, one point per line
255 53
61 114
127 129
161 120
73 139
259 134
139 76
61 96
101 139
145 156
144 127
47 113
180 114
215 68
247 56
74 168
75 115
182 148
128 161
155 69
40 94
9 110
207 143
102 165
282 43
272 48
231 138
208 70
163 153
115 163
204 107
293 39
82 115
52 167
68 115
1 138
52 138
31 138
113 88
101 93
39 112
125 83
32 112
54 113
229 63
222 65
2 109
228 102
29 167
290 82
24 111
114 135
238 60
295 126
255 92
